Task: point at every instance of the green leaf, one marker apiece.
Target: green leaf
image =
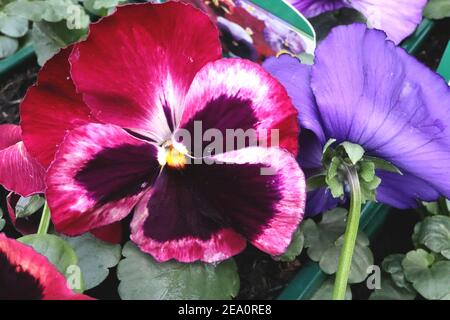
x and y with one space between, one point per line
437 9
328 145
101 7
13 26
361 261
141 277
381 164
44 46
354 151
430 279
30 10
27 206
95 257
319 237
8 46
367 171
325 292
57 251
315 182
295 247
434 233
2 221
389 291
392 264
336 187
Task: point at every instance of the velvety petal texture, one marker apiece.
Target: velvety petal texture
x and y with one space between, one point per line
209 210
161 49
241 96
372 93
98 176
51 108
397 18
28 275
19 172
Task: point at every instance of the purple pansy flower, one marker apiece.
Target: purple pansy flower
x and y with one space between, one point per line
398 18
374 94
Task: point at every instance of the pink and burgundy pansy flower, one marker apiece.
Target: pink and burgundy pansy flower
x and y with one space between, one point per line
103 118
398 18
372 93
28 275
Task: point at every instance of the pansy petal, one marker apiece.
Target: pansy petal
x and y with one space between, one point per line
397 18
296 78
202 211
98 176
51 108
151 47
318 201
111 233
10 134
19 172
28 275
404 191
365 95
311 8
27 225
239 94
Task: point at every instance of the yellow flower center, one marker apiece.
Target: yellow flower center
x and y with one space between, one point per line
172 155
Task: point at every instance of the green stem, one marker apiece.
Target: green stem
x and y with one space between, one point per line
45 220
351 232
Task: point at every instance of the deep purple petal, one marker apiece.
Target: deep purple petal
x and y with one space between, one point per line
98 176
311 8
404 191
188 210
366 95
319 201
296 77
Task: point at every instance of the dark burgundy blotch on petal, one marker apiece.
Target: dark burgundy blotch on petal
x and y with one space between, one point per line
201 199
133 168
15 283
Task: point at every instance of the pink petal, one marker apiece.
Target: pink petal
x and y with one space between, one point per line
9 135
137 64
239 94
26 274
51 108
204 212
98 176
19 172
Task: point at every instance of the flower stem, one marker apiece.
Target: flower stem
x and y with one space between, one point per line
45 220
351 232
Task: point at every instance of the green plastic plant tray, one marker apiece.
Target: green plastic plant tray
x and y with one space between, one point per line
16 59
310 277
444 66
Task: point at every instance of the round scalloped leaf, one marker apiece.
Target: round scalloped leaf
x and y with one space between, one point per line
430 279
294 249
142 277
325 292
8 46
389 291
95 257
57 251
361 261
434 233
437 9
392 264
319 237
13 26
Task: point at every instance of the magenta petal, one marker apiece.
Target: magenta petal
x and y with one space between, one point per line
98 176
28 275
203 212
239 94
9 135
19 172
137 64
51 108
111 233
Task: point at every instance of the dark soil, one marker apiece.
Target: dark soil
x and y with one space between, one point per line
261 276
